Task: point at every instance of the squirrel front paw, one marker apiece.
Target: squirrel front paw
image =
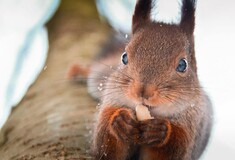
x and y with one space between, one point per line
124 126
154 132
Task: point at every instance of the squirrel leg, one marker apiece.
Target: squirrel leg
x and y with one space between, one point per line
77 71
116 134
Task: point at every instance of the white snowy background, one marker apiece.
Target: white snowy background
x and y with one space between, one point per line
215 55
215 42
23 47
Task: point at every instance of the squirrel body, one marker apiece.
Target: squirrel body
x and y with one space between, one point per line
158 71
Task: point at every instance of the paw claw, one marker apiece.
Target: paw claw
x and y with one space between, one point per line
124 126
153 131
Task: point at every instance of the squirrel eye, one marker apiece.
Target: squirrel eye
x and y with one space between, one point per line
124 58
182 66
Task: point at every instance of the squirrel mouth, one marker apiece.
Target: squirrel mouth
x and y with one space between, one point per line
148 106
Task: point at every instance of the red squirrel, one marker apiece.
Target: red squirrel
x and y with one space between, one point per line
157 70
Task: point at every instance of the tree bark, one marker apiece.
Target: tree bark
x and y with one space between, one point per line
55 118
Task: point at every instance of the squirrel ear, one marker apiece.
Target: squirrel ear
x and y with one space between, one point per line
188 16
141 14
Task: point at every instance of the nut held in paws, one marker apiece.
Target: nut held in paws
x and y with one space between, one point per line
142 113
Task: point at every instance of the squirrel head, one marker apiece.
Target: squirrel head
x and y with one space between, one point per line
160 59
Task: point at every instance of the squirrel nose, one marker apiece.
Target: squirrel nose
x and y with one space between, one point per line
146 92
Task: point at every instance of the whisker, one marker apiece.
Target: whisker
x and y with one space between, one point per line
182 92
106 84
114 88
124 81
178 86
169 99
109 94
102 88
110 88
111 67
107 77
179 99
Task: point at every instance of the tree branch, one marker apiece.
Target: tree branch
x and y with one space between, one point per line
55 118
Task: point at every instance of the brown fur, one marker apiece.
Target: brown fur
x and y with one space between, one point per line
76 69
182 112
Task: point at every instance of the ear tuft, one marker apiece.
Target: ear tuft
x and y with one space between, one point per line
141 14
188 16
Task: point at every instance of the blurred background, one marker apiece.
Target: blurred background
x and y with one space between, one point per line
24 47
